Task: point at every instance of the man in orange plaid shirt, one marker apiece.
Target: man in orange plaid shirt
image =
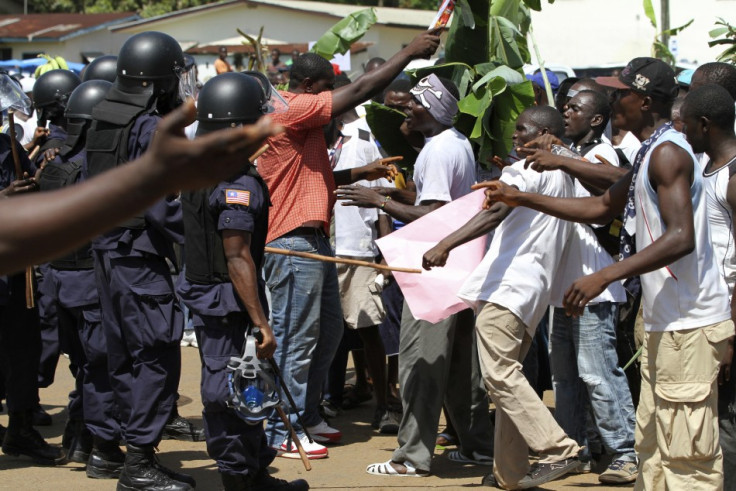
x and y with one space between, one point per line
306 317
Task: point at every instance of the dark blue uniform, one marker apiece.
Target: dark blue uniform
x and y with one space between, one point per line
20 338
72 291
51 346
220 322
141 317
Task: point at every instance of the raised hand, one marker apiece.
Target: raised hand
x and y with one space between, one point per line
497 191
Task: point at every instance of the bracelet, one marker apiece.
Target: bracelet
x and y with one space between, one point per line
385 200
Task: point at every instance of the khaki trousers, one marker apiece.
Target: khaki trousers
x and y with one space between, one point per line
677 418
522 419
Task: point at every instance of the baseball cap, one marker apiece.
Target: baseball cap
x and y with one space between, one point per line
648 76
537 78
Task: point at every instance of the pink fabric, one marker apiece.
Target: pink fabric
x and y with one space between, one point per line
432 295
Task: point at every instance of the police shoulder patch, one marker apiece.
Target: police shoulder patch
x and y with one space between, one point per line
237 197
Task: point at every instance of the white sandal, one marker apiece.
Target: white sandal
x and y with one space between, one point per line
386 469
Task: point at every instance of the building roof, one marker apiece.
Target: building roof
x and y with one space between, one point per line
56 27
386 15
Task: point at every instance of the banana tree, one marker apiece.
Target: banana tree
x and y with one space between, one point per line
659 49
725 35
486 49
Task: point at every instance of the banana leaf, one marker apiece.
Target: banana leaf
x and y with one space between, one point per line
506 108
385 124
465 43
649 12
340 36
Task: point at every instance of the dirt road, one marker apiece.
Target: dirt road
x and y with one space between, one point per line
344 469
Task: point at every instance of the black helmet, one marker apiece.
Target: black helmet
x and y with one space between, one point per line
85 97
150 56
54 87
229 99
102 68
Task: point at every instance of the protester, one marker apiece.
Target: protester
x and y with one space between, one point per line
436 360
708 117
683 347
308 328
511 290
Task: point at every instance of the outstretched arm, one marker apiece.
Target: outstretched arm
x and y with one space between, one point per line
596 209
371 83
671 173
480 224
37 227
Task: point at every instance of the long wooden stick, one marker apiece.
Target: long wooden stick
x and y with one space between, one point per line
302 453
339 260
30 296
259 152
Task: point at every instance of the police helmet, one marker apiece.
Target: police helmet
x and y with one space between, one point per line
85 97
230 99
150 56
54 87
102 68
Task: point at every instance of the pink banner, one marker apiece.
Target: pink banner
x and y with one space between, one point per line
432 295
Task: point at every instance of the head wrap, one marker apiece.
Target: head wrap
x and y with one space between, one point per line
436 99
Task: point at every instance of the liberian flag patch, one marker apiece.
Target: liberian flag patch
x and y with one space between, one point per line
237 197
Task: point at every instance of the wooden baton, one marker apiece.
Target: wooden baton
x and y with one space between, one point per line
302 453
339 260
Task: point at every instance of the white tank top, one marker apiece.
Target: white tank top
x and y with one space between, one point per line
690 292
720 217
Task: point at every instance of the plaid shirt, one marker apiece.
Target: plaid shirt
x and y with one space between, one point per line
296 166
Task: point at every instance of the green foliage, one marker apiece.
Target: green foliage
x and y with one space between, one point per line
659 49
724 36
340 36
385 124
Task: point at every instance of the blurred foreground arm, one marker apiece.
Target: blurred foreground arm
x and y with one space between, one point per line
37 227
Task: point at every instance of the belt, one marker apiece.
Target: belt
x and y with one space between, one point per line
305 231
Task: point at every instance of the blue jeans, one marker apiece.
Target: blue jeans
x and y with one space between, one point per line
586 375
306 319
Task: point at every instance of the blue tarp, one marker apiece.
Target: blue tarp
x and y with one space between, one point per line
30 65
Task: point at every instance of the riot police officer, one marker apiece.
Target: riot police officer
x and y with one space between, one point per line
20 339
141 318
225 228
101 68
70 285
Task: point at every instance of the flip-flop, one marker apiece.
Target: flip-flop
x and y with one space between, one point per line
476 459
445 440
386 469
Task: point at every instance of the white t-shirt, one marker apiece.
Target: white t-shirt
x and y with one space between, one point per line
445 168
583 256
518 270
630 144
355 228
690 292
606 151
720 219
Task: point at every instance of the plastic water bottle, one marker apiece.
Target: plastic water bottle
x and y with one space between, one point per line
253 396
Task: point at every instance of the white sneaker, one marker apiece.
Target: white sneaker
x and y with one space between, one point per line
313 450
324 433
189 339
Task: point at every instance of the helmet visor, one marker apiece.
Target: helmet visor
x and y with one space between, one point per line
187 82
274 102
12 96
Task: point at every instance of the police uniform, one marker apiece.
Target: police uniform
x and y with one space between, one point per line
51 346
20 338
220 318
141 318
71 289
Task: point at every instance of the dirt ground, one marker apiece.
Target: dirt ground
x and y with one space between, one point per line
344 469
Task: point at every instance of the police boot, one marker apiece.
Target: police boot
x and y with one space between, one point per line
41 417
263 481
76 441
235 482
141 472
22 439
106 459
178 428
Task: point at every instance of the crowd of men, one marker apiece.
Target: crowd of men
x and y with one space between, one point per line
607 212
